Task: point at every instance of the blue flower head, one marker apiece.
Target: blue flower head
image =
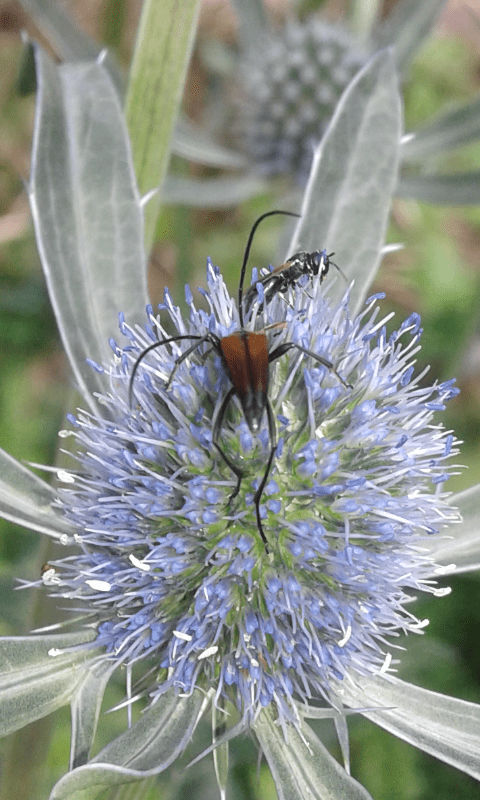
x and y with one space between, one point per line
175 569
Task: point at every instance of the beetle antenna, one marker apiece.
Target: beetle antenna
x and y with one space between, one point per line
247 253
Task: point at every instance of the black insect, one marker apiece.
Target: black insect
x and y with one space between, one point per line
288 273
246 358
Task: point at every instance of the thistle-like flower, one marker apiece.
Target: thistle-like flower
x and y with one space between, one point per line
174 568
289 91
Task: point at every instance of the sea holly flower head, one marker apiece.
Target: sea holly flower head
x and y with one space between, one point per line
289 90
174 568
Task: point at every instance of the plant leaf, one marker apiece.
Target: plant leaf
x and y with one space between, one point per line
67 39
142 747
347 200
301 766
27 500
406 27
222 749
459 189
145 749
195 144
443 726
157 75
211 192
86 211
85 708
34 683
461 545
453 128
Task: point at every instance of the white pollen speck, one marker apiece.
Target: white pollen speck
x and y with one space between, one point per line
446 569
345 639
50 578
54 652
64 539
137 563
386 664
65 477
442 592
77 538
210 651
65 434
99 586
185 637
254 662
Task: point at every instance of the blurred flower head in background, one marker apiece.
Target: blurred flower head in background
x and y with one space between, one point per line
270 99
288 91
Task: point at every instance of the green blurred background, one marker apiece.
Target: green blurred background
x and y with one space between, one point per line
436 274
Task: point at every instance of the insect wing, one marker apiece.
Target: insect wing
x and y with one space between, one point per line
272 283
257 347
246 357
288 273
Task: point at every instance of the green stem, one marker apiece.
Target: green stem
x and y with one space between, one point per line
363 15
157 75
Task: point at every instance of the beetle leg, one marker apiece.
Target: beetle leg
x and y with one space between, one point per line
215 436
284 348
209 337
258 494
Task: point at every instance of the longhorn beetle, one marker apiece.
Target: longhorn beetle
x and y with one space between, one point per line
246 359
